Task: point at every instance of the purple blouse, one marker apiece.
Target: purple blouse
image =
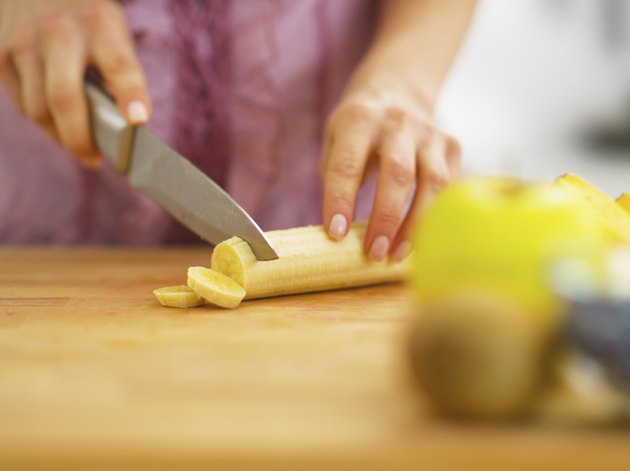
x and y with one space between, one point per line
240 87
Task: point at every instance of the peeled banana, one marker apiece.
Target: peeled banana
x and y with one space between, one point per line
308 261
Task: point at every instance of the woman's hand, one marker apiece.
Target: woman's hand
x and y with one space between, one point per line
384 121
45 48
384 125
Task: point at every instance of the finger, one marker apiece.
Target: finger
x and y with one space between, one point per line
370 167
10 80
111 51
396 180
402 245
342 176
434 172
453 157
64 61
326 148
29 68
433 176
9 77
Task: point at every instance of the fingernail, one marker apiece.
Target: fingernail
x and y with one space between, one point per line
379 248
402 251
338 226
137 112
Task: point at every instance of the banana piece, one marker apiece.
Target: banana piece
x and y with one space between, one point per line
180 296
215 287
308 261
624 201
613 216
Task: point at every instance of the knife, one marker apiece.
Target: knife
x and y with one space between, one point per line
170 179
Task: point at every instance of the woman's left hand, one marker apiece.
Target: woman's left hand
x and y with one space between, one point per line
384 126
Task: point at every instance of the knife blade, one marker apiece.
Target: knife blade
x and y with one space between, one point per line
170 179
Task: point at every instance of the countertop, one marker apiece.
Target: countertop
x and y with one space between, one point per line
94 372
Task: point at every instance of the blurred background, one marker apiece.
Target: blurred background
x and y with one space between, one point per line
542 88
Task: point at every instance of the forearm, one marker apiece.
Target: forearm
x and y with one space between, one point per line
416 41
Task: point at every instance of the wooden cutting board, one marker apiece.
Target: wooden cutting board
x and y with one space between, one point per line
94 371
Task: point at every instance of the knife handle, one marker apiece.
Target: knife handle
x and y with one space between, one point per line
111 133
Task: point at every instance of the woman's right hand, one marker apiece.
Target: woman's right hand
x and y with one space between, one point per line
45 48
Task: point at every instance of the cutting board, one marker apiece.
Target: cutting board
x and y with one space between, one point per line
94 371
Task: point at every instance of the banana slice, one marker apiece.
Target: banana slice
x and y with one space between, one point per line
180 296
215 287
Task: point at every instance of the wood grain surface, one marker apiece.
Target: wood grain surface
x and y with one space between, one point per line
95 374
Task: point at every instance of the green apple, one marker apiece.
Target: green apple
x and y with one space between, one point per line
503 235
482 268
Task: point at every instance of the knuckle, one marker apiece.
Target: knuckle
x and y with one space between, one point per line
357 113
132 86
21 50
401 173
346 166
425 131
387 219
55 27
100 13
436 179
24 45
120 64
397 116
341 201
64 99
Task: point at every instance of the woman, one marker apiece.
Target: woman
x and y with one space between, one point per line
242 88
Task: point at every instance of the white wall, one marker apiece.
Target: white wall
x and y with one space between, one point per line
531 76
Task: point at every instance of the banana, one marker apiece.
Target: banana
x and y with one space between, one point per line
612 216
623 200
308 261
180 296
215 287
